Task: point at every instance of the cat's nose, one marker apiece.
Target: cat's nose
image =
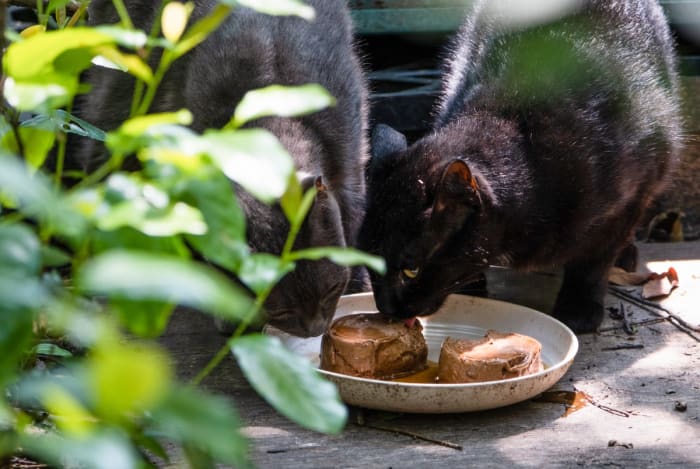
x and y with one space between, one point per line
386 302
391 302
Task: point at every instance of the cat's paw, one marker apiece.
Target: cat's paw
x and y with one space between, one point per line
581 315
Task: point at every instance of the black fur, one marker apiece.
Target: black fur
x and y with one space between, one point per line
252 50
549 143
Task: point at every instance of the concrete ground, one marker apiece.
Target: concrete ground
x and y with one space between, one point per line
630 399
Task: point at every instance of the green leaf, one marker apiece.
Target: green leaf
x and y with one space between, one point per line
71 415
290 383
129 201
253 158
143 318
278 7
342 256
37 144
139 276
54 4
206 423
198 458
142 124
284 101
63 121
107 449
124 378
173 20
37 198
42 97
15 338
20 293
54 257
43 70
131 38
130 63
129 238
291 200
7 420
201 29
53 350
19 250
224 243
151 443
174 219
152 129
261 271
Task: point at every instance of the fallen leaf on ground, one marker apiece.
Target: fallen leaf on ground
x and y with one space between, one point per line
660 284
619 276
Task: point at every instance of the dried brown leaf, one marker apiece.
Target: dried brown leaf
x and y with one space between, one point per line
660 284
619 276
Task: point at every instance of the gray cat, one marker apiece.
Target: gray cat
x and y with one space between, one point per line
550 141
252 50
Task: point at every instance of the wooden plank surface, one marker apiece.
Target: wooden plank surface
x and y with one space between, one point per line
634 390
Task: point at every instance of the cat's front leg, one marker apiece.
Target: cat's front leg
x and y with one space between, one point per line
581 300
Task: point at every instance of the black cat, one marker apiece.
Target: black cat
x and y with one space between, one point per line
550 140
252 50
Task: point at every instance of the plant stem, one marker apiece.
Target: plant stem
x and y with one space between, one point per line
163 66
77 15
304 208
285 257
12 117
40 12
107 167
61 154
123 14
60 17
12 218
223 351
60 159
138 88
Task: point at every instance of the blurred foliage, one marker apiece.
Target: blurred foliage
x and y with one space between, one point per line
90 274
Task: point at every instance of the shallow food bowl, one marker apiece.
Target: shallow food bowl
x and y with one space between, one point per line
460 317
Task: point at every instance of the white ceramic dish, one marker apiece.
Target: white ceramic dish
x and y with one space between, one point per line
460 316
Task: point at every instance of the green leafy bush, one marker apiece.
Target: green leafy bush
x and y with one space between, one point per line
81 266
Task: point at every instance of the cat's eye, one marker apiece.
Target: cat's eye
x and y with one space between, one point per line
410 273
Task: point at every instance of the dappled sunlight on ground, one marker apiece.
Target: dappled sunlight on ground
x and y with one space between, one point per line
682 300
263 432
661 361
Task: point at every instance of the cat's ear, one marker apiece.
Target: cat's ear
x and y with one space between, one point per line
385 140
457 198
308 181
320 186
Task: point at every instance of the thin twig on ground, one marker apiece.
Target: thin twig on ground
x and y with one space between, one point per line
623 347
658 310
417 436
646 322
610 410
360 421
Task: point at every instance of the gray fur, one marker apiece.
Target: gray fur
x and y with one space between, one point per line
251 50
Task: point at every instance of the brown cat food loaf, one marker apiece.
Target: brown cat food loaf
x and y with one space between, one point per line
375 346
495 356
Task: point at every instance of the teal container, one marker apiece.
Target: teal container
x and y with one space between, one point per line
445 16
433 17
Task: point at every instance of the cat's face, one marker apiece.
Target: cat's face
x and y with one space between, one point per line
424 219
304 301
